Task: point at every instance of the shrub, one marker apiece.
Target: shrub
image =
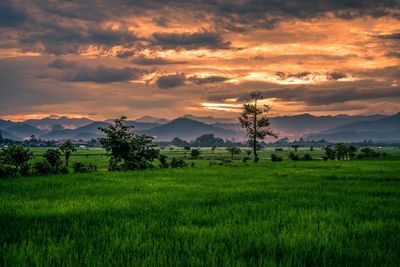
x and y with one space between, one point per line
17 157
177 163
53 157
80 167
163 161
276 158
41 167
6 171
245 159
293 156
307 157
233 151
195 153
369 153
224 161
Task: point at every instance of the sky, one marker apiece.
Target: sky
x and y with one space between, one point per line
101 59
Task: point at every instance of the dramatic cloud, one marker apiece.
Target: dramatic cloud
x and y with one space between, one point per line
209 79
170 81
322 57
155 61
211 40
10 15
72 72
336 75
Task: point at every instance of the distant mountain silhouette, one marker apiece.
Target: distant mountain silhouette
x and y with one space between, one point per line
187 129
48 122
333 128
150 119
299 125
24 130
209 119
6 124
6 135
85 133
384 129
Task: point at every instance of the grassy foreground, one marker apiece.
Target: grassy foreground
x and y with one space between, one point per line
286 213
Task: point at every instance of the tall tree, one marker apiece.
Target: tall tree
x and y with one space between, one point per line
126 150
67 148
255 121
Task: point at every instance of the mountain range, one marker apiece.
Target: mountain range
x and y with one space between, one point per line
340 128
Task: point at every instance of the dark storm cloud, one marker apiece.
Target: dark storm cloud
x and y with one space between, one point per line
210 79
336 75
299 75
155 61
161 21
170 81
103 74
125 53
393 54
65 27
329 93
325 96
20 93
60 39
242 16
204 39
392 36
73 72
175 80
60 63
10 15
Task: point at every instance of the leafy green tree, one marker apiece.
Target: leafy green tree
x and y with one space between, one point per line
352 151
208 140
67 148
195 153
127 150
256 123
233 151
16 156
330 153
341 151
163 161
53 157
141 154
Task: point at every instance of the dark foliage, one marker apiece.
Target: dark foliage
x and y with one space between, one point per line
256 123
195 153
127 151
177 163
80 167
17 157
53 157
307 157
294 157
163 161
41 167
276 158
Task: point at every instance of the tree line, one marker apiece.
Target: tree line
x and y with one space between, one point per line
129 151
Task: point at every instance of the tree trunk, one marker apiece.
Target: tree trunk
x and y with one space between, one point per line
66 159
255 149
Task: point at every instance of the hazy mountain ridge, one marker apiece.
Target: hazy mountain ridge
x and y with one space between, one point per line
383 129
187 129
48 122
333 128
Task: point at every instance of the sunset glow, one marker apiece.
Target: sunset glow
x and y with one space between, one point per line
167 58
